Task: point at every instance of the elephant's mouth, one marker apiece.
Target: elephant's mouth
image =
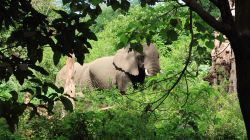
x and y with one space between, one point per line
150 73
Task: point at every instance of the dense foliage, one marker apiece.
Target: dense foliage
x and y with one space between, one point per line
192 110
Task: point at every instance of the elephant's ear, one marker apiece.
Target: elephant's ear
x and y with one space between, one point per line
126 60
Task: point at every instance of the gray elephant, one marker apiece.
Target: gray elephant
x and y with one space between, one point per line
124 67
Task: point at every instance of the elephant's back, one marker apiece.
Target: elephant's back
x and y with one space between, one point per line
60 77
102 65
107 60
103 71
79 70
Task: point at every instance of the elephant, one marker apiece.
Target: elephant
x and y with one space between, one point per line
126 66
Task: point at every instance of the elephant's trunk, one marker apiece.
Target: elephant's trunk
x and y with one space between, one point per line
153 70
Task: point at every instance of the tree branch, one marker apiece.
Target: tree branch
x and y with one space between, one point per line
225 11
164 97
188 93
220 26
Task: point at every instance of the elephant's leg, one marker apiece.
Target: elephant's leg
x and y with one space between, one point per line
93 81
122 81
90 82
85 83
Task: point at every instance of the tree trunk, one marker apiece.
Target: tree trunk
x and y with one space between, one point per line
69 87
241 46
242 56
223 66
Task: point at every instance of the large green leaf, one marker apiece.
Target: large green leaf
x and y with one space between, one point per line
39 69
68 106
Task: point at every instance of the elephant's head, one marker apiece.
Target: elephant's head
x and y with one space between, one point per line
132 61
151 60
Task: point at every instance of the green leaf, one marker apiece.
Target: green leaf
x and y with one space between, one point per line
43 97
14 95
39 69
220 38
62 13
68 106
91 36
53 95
114 4
40 55
95 2
82 27
200 49
56 57
195 42
37 81
53 86
50 106
210 44
95 12
173 22
38 91
148 38
135 45
125 5
28 90
200 27
66 1
120 45
123 39
45 89
172 35
22 74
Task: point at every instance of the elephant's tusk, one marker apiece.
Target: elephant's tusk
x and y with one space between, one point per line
146 72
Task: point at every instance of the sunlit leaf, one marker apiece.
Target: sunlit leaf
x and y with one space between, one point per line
210 44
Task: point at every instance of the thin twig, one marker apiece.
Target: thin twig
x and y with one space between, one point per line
157 82
221 51
187 88
4 49
163 98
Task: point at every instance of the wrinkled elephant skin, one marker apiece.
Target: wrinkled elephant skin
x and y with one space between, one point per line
119 70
